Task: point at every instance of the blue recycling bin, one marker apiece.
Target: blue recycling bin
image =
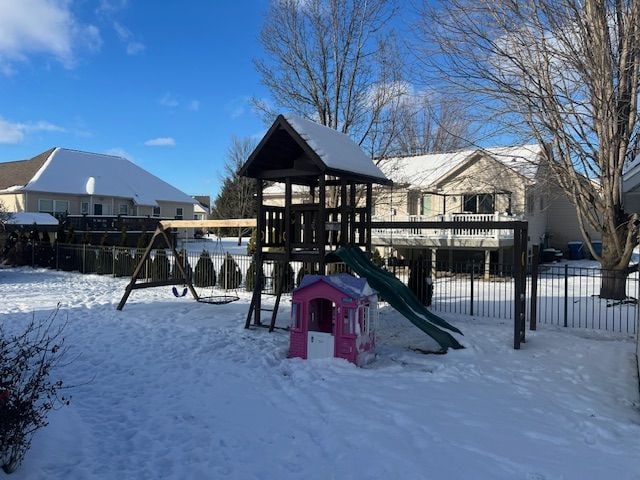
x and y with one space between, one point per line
575 250
597 246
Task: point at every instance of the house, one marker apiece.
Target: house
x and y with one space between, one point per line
631 202
201 207
333 316
64 181
496 184
94 191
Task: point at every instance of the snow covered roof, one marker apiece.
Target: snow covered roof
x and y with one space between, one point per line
70 172
426 170
337 150
348 284
29 218
300 149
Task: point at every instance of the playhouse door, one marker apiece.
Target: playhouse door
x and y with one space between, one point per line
320 345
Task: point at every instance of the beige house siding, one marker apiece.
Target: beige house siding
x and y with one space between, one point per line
13 202
32 202
485 175
482 176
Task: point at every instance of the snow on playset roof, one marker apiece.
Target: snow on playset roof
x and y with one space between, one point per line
69 172
348 284
426 170
300 149
336 149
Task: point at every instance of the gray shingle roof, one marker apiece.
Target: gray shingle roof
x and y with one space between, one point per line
19 173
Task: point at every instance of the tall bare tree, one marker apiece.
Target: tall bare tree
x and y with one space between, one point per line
565 73
431 124
335 62
236 197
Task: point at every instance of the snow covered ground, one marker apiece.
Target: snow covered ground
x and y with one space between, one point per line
169 388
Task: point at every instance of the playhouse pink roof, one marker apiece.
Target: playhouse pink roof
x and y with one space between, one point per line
348 284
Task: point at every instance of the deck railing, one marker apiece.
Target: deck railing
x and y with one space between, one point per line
448 233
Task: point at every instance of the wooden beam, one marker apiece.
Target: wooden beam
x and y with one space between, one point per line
232 222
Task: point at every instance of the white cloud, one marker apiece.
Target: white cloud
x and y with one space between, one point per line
15 132
119 152
160 142
168 100
194 105
110 7
133 46
29 27
237 107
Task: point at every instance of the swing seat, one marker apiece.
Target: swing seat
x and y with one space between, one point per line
218 299
178 294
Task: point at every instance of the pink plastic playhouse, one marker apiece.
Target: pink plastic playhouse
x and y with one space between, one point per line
333 316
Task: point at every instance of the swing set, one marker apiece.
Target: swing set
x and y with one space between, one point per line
160 235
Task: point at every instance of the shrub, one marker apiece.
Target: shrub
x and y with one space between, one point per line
205 274
250 281
185 265
104 264
160 267
124 264
301 273
45 256
230 275
278 284
27 391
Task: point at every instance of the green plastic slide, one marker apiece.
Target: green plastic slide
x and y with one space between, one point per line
398 295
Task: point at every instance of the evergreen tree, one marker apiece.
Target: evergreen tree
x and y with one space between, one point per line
205 274
230 275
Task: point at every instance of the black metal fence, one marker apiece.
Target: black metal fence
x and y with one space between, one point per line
566 296
570 297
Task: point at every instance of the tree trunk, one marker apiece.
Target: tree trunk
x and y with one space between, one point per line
614 284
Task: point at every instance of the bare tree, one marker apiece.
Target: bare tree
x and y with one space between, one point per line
236 197
431 124
335 62
564 73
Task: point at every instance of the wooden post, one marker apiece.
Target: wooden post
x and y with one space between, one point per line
517 233
257 285
344 214
487 264
352 213
535 260
321 227
368 209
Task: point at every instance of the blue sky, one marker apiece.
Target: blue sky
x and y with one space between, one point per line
163 83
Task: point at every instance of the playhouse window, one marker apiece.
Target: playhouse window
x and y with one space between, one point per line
348 321
295 316
365 319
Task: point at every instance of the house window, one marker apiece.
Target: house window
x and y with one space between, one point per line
124 209
425 205
97 209
156 211
530 203
365 320
295 316
53 206
45 206
348 317
61 206
478 203
179 213
412 202
84 208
